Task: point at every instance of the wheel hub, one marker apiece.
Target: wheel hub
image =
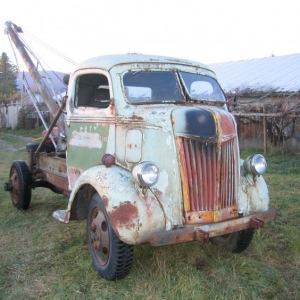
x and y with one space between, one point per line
99 236
14 181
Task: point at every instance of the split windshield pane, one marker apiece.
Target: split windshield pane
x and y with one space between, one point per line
200 87
152 86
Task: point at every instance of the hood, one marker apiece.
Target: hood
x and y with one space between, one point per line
204 124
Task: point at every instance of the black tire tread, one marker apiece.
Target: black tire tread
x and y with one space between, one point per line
123 259
121 254
24 178
244 239
235 242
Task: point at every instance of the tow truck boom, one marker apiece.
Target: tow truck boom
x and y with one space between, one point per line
13 30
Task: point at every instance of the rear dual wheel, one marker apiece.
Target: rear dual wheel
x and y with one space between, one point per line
20 181
111 257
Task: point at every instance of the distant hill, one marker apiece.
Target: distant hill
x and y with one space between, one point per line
56 78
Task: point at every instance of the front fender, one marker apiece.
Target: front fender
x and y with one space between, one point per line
253 193
133 215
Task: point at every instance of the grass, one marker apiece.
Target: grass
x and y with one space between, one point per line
34 133
41 258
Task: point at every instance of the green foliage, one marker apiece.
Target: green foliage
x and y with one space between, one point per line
23 121
8 76
41 258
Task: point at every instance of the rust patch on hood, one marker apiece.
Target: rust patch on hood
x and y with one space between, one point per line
227 123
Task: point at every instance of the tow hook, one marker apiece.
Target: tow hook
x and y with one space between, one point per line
256 223
201 236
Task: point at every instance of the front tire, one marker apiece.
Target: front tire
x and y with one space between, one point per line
20 180
235 242
110 256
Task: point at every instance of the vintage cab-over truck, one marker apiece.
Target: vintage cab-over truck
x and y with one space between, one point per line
149 154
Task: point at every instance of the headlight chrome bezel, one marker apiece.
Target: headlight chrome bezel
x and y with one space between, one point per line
143 176
255 164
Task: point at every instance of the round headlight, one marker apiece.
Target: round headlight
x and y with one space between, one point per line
256 164
146 173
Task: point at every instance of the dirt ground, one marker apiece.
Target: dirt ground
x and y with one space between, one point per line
6 146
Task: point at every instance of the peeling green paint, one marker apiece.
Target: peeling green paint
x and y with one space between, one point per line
86 145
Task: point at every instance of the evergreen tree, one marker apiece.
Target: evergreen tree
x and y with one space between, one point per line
8 78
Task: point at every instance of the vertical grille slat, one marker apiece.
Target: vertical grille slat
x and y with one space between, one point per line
204 178
187 154
208 175
230 174
225 183
233 163
194 188
210 171
200 178
214 173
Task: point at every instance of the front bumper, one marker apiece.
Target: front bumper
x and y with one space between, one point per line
202 233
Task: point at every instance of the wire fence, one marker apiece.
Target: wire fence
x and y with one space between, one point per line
269 121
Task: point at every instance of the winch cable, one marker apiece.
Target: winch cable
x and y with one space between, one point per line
50 86
53 51
50 48
32 97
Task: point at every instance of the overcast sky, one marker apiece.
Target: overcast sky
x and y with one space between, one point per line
208 31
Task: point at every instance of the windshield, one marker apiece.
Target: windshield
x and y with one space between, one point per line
165 87
152 86
200 87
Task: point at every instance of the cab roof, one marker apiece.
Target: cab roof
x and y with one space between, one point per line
109 61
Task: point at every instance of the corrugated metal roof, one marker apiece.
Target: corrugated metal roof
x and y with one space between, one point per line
281 73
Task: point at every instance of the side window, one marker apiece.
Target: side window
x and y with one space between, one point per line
92 90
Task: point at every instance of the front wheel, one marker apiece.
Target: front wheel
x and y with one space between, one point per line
20 180
235 242
111 257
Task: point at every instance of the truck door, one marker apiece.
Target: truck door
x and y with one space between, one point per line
90 123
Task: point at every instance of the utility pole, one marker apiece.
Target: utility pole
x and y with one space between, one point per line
12 30
2 88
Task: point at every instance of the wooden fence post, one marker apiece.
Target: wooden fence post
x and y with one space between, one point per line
265 130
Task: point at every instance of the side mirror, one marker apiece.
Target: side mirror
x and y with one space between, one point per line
66 79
